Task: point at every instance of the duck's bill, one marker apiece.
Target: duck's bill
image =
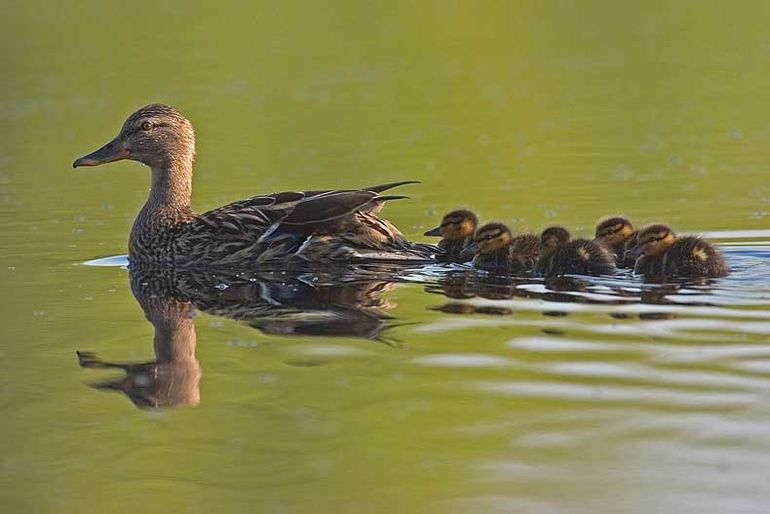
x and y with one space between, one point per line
433 232
633 253
111 152
469 252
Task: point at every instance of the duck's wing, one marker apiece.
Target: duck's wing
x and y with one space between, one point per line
332 202
331 213
271 226
330 207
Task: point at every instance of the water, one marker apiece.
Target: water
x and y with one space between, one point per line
441 391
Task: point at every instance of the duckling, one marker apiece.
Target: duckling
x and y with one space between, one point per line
660 252
499 251
561 255
312 226
456 231
617 235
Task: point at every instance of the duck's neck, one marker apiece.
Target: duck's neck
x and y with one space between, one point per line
170 193
167 206
171 188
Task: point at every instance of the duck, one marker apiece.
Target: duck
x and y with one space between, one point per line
456 231
500 252
562 255
617 235
318 226
660 252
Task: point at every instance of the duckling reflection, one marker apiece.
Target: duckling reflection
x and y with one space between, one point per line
458 285
469 308
301 306
468 285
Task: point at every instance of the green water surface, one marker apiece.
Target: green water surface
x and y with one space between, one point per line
530 112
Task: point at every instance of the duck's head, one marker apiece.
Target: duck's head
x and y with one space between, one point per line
456 226
156 135
652 241
492 237
613 231
554 238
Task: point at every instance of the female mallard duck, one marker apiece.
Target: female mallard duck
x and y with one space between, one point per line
660 252
560 255
499 251
456 231
316 226
617 235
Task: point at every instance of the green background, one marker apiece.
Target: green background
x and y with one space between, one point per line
530 112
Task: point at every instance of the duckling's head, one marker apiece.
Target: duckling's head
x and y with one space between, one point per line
492 237
456 226
614 231
652 241
156 135
554 238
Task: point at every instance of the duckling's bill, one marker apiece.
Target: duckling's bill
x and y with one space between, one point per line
634 252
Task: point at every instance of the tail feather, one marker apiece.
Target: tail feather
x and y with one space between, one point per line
385 198
379 188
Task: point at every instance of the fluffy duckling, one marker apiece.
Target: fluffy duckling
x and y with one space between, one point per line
456 231
660 252
617 235
499 251
561 255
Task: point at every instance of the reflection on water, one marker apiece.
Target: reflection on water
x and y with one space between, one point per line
512 387
336 304
352 303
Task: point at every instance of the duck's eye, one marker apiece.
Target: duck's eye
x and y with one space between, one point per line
146 125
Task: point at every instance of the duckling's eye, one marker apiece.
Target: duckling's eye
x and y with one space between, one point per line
653 240
146 125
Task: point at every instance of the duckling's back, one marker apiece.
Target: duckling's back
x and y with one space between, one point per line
579 257
693 257
525 251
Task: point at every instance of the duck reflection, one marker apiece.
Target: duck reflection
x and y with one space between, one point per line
172 378
348 305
